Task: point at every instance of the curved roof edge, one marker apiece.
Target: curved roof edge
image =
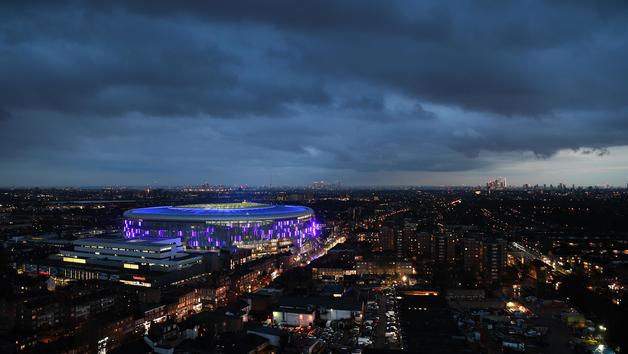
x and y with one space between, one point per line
195 213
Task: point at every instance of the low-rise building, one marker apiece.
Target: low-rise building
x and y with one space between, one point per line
303 311
384 267
139 262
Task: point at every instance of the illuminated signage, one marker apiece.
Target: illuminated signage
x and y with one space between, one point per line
135 283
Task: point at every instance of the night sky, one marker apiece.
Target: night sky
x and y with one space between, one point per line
369 92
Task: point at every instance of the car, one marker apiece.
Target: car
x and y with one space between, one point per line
364 341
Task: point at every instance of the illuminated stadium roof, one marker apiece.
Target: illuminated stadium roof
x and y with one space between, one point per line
244 211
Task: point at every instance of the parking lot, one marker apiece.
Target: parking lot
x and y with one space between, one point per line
381 323
380 327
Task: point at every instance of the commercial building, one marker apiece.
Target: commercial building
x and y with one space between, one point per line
332 270
297 317
383 267
163 255
263 228
141 262
303 311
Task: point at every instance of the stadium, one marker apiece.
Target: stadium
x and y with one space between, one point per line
262 227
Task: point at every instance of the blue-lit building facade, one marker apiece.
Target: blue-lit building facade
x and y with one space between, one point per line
260 227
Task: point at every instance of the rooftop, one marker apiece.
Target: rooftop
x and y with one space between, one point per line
244 211
337 303
156 242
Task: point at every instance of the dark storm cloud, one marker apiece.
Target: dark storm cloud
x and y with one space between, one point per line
162 70
519 57
324 87
4 114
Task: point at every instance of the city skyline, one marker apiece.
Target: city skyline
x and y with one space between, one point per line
333 176
106 270
284 94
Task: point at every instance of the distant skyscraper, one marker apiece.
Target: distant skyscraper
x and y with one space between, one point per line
497 183
325 185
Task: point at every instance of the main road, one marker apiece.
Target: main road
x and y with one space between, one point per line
531 253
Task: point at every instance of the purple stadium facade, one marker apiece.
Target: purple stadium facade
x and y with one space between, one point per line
213 226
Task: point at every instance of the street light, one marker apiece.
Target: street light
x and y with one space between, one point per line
602 328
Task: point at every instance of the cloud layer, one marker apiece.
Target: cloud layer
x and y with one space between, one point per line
245 92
